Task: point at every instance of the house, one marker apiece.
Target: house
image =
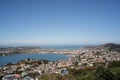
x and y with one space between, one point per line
28 78
11 77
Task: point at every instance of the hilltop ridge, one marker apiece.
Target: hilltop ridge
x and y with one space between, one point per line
107 46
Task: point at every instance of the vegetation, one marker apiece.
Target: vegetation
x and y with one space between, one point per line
53 77
102 73
99 72
114 64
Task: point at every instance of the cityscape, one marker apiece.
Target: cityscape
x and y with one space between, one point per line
31 69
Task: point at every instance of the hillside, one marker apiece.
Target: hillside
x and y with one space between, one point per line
110 47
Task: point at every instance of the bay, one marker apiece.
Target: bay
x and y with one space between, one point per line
17 57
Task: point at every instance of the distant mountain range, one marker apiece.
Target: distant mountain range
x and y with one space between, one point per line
107 46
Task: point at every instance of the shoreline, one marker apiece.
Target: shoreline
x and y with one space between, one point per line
38 56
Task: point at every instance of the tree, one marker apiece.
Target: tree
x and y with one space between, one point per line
102 73
117 75
114 64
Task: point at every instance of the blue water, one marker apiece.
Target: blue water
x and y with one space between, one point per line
17 57
51 57
69 47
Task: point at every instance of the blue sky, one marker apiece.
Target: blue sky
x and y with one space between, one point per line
59 21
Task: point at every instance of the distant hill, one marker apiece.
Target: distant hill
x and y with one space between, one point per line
111 46
107 46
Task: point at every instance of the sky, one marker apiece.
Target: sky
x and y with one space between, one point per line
59 22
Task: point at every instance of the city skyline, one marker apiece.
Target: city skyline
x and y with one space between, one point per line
59 22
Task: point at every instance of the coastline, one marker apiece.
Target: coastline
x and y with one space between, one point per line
17 57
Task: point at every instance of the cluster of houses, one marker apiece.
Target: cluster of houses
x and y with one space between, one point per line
33 69
30 70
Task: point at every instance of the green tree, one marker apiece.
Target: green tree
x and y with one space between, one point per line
117 75
102 73
114 64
